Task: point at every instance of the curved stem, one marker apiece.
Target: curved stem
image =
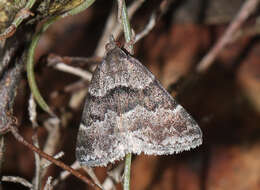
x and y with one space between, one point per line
29 67
30 59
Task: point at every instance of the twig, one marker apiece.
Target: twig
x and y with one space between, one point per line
248 7
114 175
152 21
77 98
2 151
20 180
32 111
53 59
93 176
32 116
56 156
19 138
73 70
147 29
19 17
25 13
53 127
76 86
75 165
48 185
65 174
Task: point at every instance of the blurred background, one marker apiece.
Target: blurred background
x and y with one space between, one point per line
224 98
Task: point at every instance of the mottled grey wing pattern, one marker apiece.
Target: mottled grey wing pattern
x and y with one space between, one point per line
127 110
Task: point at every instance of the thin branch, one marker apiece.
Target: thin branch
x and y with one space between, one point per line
19 180
114 175
75 165
77 98
164 5
56 156
19 17
93 176
48 185
53 59
19 138
2 151
65 174
73 70
32 116
147 29
248 7
53 127
32 112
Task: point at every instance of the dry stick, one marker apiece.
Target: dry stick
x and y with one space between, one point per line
73 70
75 165
33 115
164 5
48 185
147 29
19 17
65 174
8 32
53 128
19 138
248 7
17 180
56 156
92 174
2 151
114 176
53 59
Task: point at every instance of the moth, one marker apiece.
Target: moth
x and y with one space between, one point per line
128 111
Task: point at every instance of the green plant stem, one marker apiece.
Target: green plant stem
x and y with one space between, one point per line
127 171
128 36
126 24
30 64
30 58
